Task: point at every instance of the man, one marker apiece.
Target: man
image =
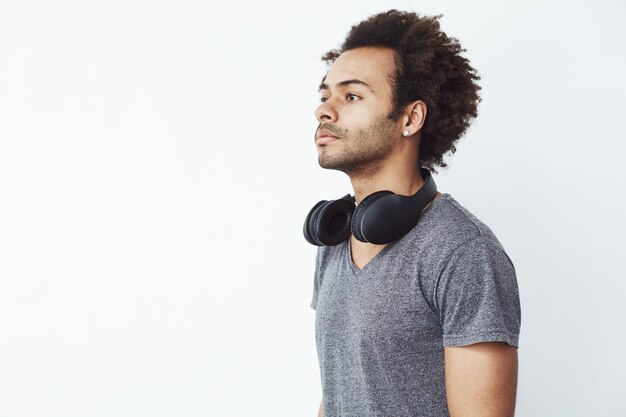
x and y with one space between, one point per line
426 324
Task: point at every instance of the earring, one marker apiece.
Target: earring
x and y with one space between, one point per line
406 132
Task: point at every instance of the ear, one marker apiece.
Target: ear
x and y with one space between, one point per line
414 117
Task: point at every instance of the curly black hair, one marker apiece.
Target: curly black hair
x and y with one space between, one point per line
429 67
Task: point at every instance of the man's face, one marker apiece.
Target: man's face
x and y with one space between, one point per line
355 133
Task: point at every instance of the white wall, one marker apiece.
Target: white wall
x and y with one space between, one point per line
157 162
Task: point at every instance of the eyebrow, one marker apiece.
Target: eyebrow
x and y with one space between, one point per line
324 86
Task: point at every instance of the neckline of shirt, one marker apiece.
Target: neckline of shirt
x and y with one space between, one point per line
347 250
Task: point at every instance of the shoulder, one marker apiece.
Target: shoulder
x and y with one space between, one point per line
328 255
448 230
450 224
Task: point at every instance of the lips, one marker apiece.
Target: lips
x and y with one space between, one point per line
324 136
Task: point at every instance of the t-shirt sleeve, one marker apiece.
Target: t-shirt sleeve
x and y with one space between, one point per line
477 295
316 279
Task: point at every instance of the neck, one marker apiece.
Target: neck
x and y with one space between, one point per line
389 177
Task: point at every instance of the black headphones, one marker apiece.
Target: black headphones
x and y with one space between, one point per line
382 217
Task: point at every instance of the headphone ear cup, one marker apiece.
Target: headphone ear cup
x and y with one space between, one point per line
309 233
328 222
358 217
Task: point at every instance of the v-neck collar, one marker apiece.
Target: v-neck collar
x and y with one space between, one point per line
372 262
347 250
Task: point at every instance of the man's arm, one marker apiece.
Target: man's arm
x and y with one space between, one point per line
481 380
319 413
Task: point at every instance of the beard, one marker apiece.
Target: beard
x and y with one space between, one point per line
360 152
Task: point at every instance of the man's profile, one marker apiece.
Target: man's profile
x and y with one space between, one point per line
423 320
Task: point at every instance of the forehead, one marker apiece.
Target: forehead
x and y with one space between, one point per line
373 65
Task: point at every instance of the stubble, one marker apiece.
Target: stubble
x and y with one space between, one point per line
360 152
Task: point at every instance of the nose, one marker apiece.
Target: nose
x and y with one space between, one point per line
325 112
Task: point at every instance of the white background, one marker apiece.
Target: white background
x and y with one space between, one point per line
157 162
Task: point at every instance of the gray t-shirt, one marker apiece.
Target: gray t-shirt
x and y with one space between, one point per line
380 331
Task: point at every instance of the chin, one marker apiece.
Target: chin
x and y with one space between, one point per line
326 163
330 164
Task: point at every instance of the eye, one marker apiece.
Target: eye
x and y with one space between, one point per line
323 99
352 97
